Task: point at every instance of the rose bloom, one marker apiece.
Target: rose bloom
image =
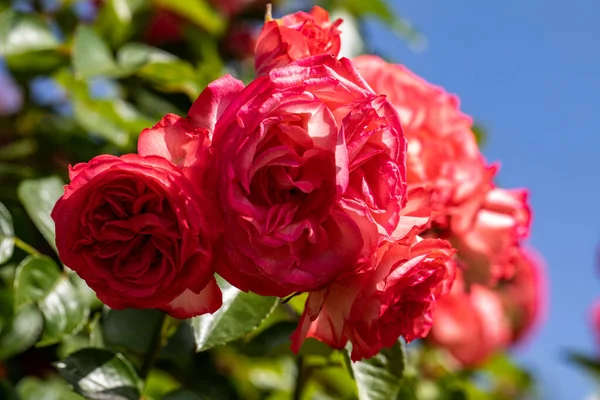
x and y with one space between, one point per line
443 155
296 36
133 228
164 27
471 325
524 294
394 295
140 228
486 244
284 175
595 320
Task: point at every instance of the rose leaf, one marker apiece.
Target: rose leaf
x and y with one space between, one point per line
100 374
240 313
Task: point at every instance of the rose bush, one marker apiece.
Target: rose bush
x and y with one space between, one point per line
356 188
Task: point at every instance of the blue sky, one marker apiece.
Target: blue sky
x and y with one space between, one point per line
529 71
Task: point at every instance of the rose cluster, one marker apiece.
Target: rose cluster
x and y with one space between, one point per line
351 180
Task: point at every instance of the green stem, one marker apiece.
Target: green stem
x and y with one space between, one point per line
156 344
24 246
301 378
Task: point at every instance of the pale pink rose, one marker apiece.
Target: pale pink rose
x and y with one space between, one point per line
471 325
283 171
502 221
296 36
394 295
442 155
525 293
595 320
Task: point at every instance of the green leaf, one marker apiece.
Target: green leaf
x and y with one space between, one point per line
64 312
379 377
182 394
7 392
158 384
197 11
173 76
122 328
164 70
30 388
114 21
480 133
588 364
270 340
40 280
91 55
7 243
23 33
21 331
240 314
99 374
133 56
38 197
35 279
115 120
16 149
381 10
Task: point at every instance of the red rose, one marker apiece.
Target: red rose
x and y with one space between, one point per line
470 325
164 27
282 164
294 37
134 227
442 155
394 295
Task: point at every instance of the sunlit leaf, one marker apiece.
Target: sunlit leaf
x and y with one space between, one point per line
91 55
114 21
21 331
31 388
199 12
379 377
240 314
99 374
35 279
38 197
39 280
7 233
382 11
22 33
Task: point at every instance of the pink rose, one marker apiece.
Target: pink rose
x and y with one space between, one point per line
294 37
525 294
470 325
284 171
595 320
443 155
502 221
134 229
394 295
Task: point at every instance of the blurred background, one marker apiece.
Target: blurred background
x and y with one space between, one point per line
528 72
